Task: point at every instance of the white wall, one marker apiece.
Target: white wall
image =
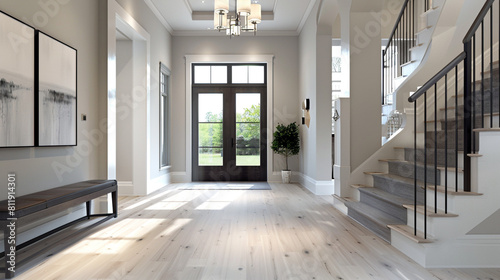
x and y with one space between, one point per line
75 23
124 85
286 104
307 47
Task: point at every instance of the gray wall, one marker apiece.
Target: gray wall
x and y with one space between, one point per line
75 23
365 86
286 77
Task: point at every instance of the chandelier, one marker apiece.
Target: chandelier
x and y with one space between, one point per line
246 18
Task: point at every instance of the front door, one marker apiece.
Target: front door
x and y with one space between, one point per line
229 130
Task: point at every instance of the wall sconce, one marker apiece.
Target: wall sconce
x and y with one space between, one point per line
306 117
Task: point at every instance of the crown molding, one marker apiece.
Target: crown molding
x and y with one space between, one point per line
210 15
190 9
160 17
306 16
213 33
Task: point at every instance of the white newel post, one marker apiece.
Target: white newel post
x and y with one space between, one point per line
342 165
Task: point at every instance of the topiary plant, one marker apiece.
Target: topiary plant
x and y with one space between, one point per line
286 141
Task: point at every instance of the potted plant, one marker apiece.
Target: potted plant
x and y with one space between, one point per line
286 142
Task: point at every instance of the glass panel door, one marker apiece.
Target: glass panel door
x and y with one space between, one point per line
229 123
248 136
210 129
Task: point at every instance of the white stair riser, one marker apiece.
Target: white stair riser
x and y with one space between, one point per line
418 52
441 201
424 36
409 68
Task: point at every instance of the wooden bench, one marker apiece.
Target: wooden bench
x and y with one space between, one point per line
32 207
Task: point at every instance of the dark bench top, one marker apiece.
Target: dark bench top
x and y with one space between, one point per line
34 202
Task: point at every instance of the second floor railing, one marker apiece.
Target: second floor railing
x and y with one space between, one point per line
397 52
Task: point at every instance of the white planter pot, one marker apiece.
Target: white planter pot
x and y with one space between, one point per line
286 176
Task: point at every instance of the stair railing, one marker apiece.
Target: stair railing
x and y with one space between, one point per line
402 39
440 149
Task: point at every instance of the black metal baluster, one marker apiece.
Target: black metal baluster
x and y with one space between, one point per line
415 166
413 25
474 96
436 147
400 46
482 74
407 47
467 143
491 67
403 36
425 165
456 128
384 82
446 145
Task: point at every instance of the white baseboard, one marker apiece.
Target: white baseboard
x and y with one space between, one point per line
159 182
125 188
316 187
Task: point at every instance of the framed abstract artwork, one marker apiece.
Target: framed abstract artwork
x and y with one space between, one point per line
57 92
17 83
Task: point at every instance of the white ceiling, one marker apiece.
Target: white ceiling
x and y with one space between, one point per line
279 16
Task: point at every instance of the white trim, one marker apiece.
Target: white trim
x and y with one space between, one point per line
263 58
316 187
159 182
306 16
275 6
190 9
158 15
125 188
214 33
119 18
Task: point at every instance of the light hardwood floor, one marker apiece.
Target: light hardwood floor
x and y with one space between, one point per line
283 233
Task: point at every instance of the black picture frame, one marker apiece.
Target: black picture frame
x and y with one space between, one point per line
17 83
57 92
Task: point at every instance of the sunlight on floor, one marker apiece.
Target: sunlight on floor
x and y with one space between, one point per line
167 205
146 200
106 242
220 200
213 205
176 225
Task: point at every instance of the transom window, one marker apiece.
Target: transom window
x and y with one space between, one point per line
251 74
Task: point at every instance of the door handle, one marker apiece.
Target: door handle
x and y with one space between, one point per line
232 142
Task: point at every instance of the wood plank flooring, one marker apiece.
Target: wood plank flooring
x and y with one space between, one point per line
284 233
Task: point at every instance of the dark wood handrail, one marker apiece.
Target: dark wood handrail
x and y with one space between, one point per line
396 25
437 77
478 21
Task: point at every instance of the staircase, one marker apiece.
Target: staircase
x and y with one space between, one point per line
439 206
406 49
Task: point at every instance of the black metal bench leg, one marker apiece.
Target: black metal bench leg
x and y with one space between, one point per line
114 197
9 269
88 206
